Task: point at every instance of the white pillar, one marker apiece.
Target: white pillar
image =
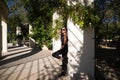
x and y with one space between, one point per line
18 30
89 50
31 40
80 51
0 37
56 43
4 36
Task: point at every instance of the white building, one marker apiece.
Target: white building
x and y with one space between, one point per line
3 26
81 48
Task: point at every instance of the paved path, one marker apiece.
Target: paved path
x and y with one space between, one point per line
23 63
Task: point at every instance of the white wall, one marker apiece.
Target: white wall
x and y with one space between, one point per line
31 40
81 51
75 49
56 43
3 26
83 2
0 37
4 36
18 30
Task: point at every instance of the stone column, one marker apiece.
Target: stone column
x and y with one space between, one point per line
56 43
81 49
18 30
4 36
3 26
0 37
31 40
81 52
19 36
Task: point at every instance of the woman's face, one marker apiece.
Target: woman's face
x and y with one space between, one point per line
63 30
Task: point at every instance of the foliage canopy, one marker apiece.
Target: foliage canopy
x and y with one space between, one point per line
40 14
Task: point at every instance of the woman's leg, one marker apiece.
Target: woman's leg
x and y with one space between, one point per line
64 62
57 54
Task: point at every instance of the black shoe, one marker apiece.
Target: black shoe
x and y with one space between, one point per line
62 74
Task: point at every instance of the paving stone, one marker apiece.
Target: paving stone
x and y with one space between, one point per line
41 66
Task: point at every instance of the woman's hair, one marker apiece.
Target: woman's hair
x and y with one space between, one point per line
63 28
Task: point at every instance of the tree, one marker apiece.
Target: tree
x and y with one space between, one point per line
40 17
16 17
40 14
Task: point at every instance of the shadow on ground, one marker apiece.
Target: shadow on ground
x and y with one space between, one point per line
107 64
20 58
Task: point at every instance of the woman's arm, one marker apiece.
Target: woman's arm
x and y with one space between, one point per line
65 41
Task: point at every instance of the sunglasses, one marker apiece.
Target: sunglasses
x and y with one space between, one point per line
63 29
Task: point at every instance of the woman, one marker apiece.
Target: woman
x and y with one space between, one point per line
63 50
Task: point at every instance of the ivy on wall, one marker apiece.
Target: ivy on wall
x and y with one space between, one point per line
84 16
57 27
40 14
